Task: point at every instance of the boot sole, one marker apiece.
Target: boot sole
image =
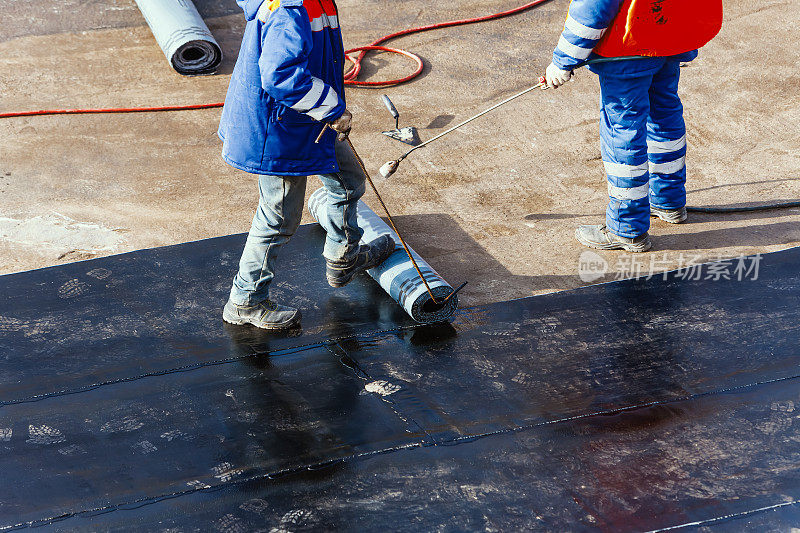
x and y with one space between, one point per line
640 247
284 325
671 220
341 282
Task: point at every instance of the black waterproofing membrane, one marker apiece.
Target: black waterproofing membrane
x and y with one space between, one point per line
127 404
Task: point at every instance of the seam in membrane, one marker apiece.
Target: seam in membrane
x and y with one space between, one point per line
624 409
148 500
196 366
365 377
155 373
732 516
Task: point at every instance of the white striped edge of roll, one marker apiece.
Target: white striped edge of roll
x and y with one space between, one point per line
397 275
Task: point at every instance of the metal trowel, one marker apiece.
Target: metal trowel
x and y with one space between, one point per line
406 135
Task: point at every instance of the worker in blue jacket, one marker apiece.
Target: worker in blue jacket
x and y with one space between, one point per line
642 132
287 84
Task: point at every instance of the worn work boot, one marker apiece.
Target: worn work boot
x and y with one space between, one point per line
339 273
599 237
266 315
673 216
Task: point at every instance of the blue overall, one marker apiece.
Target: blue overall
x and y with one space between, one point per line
643 144
642 132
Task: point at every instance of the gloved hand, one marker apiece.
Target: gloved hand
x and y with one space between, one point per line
556 77
342 125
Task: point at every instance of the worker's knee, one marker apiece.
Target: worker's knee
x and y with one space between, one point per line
343 188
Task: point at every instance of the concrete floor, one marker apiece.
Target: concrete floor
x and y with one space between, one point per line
495 203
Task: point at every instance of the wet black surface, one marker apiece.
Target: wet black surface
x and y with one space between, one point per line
636 471
638 405
160 310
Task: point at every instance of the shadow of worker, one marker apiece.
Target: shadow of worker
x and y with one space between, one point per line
288 407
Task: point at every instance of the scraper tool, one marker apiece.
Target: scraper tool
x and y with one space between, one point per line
406 135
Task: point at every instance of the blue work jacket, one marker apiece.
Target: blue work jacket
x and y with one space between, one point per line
288 81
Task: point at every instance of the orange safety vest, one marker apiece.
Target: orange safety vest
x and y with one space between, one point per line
661 27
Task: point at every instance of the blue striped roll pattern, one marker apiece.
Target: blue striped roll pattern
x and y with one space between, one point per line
397 275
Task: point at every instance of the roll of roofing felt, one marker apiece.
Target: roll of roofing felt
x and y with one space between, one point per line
182 35
397 275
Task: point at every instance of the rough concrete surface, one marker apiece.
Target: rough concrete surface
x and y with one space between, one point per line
495 203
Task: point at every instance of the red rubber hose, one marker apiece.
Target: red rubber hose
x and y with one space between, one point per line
350 77
357 67
109 110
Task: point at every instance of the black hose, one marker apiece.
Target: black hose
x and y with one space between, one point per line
747 209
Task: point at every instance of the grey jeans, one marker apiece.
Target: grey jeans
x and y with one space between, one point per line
280 208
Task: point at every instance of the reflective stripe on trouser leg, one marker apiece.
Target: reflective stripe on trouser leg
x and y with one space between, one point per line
280 208
340 220
623 144
666 140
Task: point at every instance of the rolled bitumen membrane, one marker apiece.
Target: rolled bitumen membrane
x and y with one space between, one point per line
126 404
397 275
182 35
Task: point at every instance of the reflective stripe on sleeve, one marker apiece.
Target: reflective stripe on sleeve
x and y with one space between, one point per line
324 21
625 171
311 97
583 31
629 193
573 50
331 101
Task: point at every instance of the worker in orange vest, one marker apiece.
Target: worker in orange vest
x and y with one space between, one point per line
642 132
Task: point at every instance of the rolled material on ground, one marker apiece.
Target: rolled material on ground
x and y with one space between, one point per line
182 35
397 275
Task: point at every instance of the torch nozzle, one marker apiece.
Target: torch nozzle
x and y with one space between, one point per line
388 168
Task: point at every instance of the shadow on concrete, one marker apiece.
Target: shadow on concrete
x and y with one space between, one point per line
533 217
374 62
228 32
458 257
440 122
724 186
755 235
453 253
